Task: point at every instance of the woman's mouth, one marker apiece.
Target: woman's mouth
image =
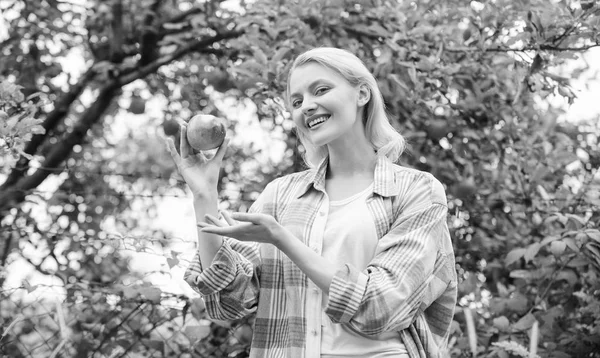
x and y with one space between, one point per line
312 123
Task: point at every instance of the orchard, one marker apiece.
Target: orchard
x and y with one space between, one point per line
483 92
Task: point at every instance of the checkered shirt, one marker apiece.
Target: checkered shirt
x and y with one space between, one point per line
408 287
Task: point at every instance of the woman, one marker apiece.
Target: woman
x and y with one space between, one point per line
351 258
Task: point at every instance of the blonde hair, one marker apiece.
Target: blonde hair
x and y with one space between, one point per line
383 136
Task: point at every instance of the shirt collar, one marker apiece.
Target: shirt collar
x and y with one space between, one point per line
384 182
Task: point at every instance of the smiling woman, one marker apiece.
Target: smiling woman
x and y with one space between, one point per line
351 258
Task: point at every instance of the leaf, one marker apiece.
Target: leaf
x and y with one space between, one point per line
154 344
198 20
517 303
502 323
26 155
29 287
196 333
281 53
558 248
531 251
593 234
466 34
514 255
271 31
37 129
524 323
130 292
174 26
524 274
396 80
167 50
543 193
260 56
172 262
548 239
568 275
151 293
378 30
571 244
578 262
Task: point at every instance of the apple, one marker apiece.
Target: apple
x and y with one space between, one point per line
466 189
205 132
437 129
170 127
137 105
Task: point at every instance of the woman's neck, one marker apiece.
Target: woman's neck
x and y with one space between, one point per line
351 160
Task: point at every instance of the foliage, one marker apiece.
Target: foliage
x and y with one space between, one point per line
469 84
18 121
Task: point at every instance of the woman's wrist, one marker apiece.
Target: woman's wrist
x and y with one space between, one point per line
210 197
282 239
203 206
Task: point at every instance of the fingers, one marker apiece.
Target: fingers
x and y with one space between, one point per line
214 221
228 218
256 219
223 231
238 232
172 150
184 146
222 149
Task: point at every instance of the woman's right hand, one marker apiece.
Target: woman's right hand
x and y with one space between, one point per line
199 172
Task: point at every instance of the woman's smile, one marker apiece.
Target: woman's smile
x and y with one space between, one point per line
315 121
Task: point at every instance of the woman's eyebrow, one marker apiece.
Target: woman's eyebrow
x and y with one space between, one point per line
312 85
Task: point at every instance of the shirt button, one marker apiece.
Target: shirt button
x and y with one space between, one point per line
314 332
322 213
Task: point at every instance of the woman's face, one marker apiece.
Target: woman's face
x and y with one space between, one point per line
324 105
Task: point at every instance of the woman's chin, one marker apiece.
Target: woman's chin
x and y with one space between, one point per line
319 141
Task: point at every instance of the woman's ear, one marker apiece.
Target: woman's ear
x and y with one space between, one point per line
364 95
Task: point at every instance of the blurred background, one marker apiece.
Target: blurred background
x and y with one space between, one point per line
498 99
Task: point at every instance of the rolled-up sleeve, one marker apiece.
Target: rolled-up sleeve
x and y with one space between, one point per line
230 285
413 266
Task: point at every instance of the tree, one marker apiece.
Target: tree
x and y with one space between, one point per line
463 82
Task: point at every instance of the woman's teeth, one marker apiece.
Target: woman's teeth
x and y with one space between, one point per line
317 121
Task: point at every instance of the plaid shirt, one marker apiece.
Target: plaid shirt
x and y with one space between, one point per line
408 287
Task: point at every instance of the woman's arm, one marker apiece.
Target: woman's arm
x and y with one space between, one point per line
208 244
201 174
316 267
226 275
412 272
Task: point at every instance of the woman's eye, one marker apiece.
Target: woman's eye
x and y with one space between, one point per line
296 103
321 90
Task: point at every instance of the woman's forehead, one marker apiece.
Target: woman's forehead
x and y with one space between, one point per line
304 75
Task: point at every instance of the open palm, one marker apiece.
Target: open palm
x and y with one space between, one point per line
248 227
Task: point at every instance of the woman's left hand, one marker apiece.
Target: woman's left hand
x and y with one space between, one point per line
248 227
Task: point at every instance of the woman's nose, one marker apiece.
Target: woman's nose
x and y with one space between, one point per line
308 107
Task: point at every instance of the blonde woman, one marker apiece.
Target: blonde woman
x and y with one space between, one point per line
351 258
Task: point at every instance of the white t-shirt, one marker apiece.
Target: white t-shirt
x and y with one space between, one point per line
351 237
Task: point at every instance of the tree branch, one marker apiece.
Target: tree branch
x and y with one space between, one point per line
118 35
53 118
182 16
18 190
148 48
543 47
195 46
